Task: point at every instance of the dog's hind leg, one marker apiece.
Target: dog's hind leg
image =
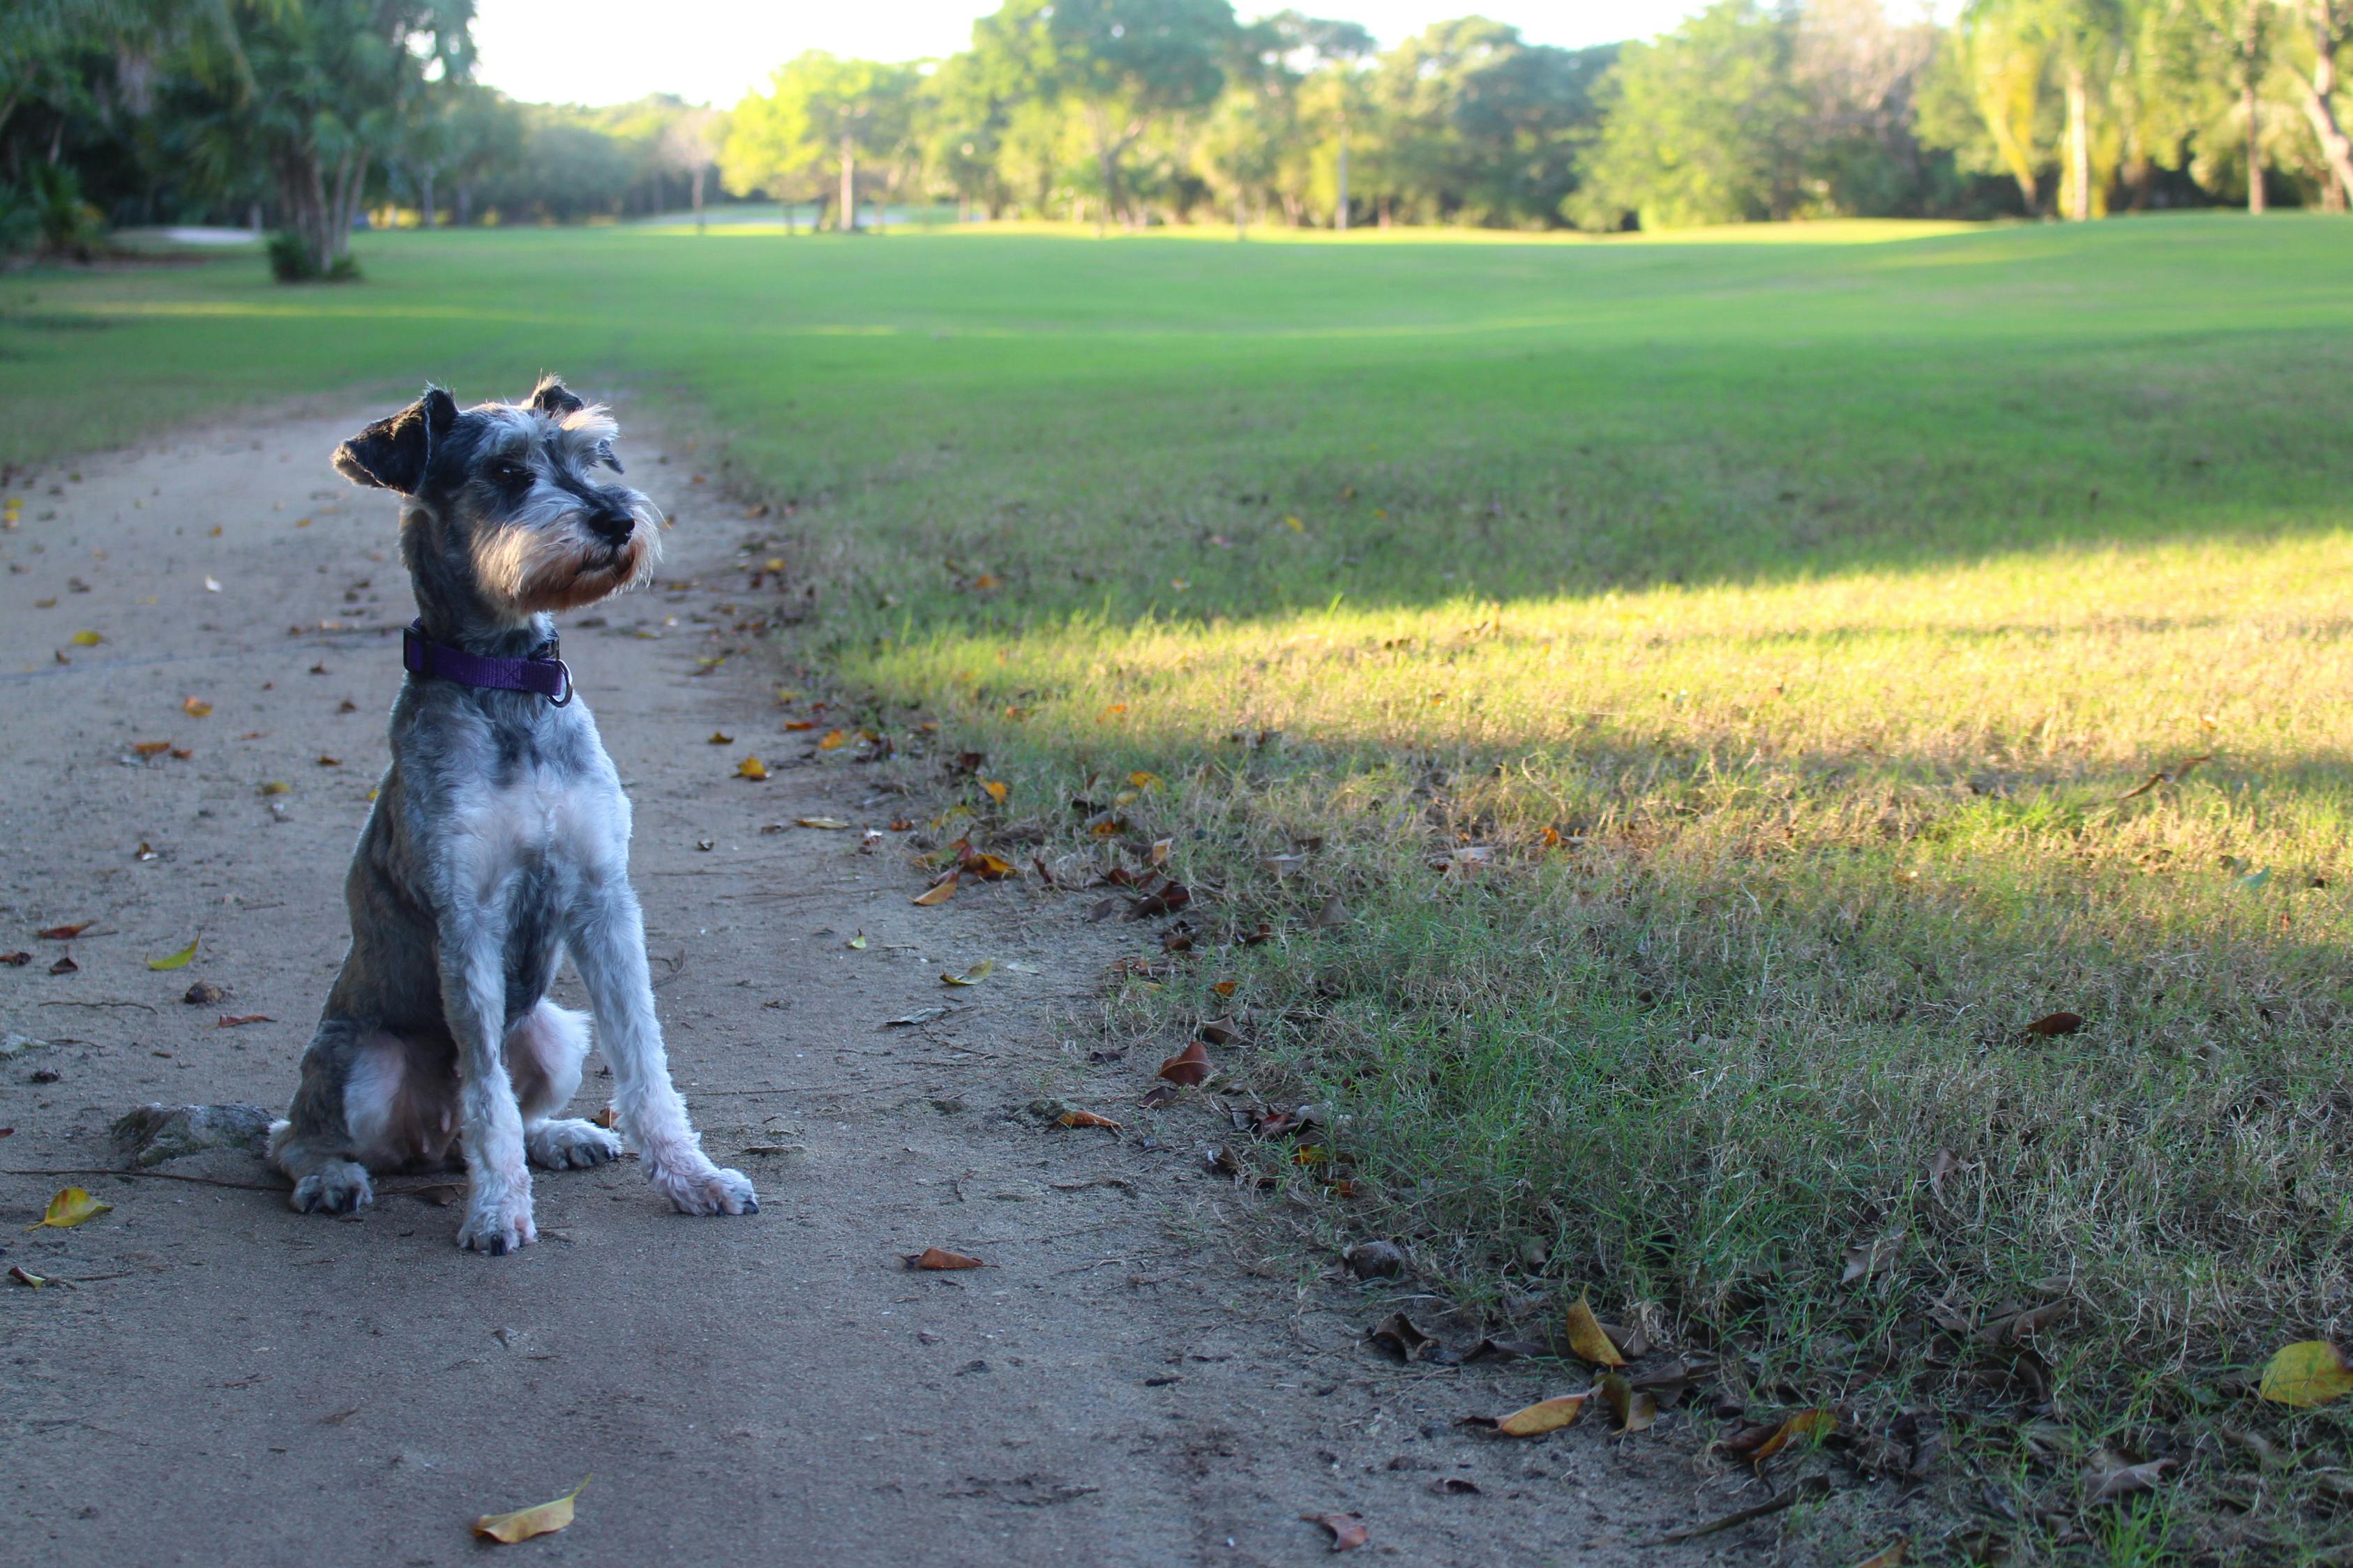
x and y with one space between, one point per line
545 1050
608 947
314 1144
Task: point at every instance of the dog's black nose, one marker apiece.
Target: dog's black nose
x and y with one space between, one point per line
612 524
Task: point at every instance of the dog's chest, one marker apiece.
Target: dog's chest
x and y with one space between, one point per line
538 819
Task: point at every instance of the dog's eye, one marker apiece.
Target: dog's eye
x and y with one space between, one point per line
508 473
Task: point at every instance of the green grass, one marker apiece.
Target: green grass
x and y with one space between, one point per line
1784 624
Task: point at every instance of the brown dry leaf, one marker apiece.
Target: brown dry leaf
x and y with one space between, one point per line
1087 1119
751 768
987 867
1188 1066
238 1020
16 960
2308 1372
1397 1335
1635 1412
64 966
1545 1416
1143 780
1333 913
327 762
796 725
64 934
2052 1025
972 976
1158 1095
1586 1339
68 1209
609 1119
1868 1257
524 1523
2107 1477
721 738
195 707
828 823
1160 849
151 748
1348 1532
1805 1424
1225 987
1281 865
940 1257
940 893
1890 1556
832 740
1942 1164
23 1276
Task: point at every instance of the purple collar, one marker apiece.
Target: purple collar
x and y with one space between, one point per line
542 672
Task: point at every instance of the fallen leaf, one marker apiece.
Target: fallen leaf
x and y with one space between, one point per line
68 1209
524 1523
857 943
2308 1372
1586 1338
151 748
721 738
1348 1532
25 1276
1545 1416
2107 1478
1635 1411
1188 1066
751 768
825 822
64 966
65 933
176 959
1333 913
238 1020
796 725
831 738
940 892
940 1257
1225 987
87 640
972 976
987 867
1867 1257
2054 1024
203 994
919 1015
16 960
1157 1096
276 786
145 851
1942 1164
1804 1425
1889 1556
1146 781
195 707
1086 1118
996 789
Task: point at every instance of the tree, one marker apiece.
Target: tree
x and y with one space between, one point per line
1479 124
819 106
689 145
2328 27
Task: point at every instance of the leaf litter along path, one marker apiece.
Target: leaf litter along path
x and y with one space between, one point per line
224 1380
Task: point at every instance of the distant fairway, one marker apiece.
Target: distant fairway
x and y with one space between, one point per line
1712 677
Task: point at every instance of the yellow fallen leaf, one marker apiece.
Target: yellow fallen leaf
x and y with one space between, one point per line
177 960
857 942
195 707
1890 1556
1804 1425
939 894
87 640
972 976
751 768
1546 1415
1586 1338
996 790
831 738
1294 524
820 822
68 1209
1635 1412
525 1522
278 786
2309 1373
1143 780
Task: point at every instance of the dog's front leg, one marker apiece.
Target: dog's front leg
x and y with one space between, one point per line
609 948
490 1122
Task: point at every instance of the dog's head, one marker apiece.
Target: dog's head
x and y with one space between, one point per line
508 496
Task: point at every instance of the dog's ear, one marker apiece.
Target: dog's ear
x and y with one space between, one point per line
552 396
394 454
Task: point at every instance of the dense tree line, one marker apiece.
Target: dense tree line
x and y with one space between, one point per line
305 114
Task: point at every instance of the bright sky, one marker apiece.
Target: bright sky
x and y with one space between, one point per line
713 51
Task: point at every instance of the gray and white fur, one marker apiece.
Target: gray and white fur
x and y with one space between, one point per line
499 844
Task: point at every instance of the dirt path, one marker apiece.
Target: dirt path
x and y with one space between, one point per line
228 1380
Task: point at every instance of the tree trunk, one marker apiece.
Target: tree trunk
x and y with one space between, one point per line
2251 67
425 180
698 198
1241 219
1340 212
848 222
2320 106
465 203
2079 146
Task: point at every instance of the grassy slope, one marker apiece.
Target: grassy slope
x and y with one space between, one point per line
1823 598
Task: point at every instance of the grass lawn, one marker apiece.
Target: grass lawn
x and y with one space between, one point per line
1714 680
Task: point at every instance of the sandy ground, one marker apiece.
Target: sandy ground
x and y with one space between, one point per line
1141 1376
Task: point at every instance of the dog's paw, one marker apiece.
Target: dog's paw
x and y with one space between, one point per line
705 1189
340 1188
498 1228
567 1144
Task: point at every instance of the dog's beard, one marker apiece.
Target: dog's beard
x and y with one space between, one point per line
564 567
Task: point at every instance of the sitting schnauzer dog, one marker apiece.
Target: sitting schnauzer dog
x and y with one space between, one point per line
499 842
